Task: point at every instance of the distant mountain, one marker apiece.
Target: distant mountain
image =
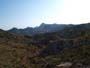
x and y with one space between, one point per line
43 28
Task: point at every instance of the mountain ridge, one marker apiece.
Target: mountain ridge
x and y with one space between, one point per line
43 28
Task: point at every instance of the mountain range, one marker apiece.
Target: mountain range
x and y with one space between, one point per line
43 28
70 43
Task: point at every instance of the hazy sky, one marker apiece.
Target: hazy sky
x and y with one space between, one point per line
24 13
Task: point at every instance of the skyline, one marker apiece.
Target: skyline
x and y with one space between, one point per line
31 13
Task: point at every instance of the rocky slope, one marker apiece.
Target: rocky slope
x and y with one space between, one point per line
48 50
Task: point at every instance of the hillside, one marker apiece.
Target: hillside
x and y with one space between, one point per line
15 51
46 50
71 44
